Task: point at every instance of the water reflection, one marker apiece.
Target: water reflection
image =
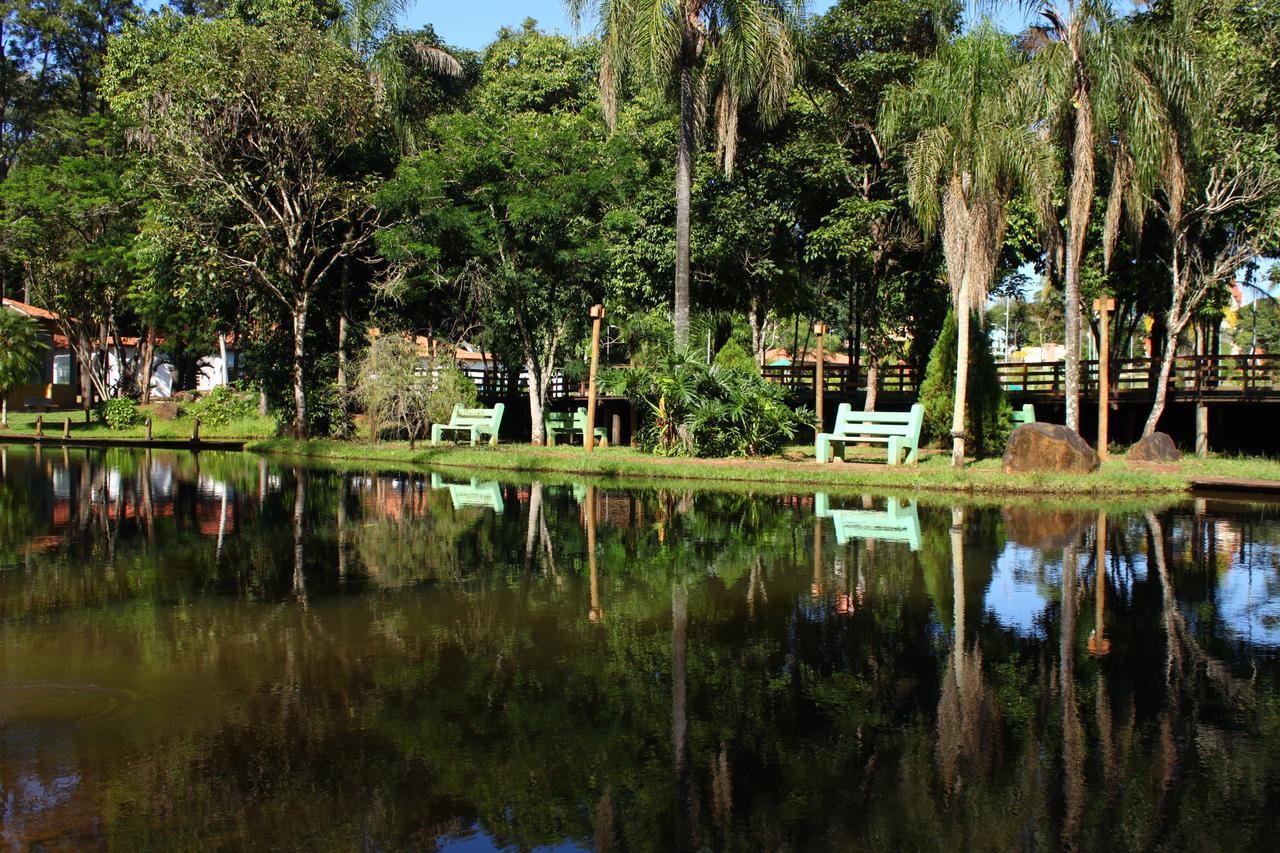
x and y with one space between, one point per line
221 651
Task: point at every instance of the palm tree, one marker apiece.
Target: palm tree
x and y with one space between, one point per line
719 53
21 355
1104 79
368 29
972 146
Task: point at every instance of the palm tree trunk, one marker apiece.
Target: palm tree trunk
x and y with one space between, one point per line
962 376
1079 207
684 184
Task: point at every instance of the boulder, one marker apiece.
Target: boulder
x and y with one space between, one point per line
1048 447
1157 447
165 410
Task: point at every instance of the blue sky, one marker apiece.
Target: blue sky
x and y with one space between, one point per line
472 23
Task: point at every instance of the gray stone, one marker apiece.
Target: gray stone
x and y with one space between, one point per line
1157 447
1048 447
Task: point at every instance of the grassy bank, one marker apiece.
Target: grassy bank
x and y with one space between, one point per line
934 473
24 424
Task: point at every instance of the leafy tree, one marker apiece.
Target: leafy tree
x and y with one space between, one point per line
22 348
247 129
715 58
1104 80
970 150
401 391
989 414
505 204
70 220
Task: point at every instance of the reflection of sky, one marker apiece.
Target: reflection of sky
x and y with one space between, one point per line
1248 601
1015 597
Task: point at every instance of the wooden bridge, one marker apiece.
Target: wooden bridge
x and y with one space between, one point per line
1222 378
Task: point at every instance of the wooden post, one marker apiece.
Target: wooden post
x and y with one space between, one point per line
195 430
815 590
39 426
66 427
148 429
820 331
1104 307
589 434
615 430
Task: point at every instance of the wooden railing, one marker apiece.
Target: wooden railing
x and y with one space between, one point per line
1225 376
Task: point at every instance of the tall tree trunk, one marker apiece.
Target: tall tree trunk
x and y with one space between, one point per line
684 187
342 348
873 381
962 376
536 407
148 367
225 370
300 428
755 315
1080 203
1162 384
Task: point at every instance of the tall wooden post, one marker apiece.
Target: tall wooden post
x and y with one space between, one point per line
820 331
1104 307
589 435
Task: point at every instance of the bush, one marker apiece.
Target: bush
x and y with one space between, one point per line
688 408
404 393
734 356
120 413
222 405
989 417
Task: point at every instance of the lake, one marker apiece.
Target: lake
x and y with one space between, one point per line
220 651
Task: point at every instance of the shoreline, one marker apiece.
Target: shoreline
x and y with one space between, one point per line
1116 478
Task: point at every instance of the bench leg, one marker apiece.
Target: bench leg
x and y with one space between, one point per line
822 448
475 438
895 449
913 457
493 440
436 429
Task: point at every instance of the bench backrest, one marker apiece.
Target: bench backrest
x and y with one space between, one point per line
476 417
1025 415
897 523
576 419
848 421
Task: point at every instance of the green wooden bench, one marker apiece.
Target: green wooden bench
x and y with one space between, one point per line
899 430
572 423
897 523
474 422
475 493
1025 415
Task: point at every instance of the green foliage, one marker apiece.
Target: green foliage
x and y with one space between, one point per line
22 348
690 408
988 419
402 392
733 356
120 413
222 405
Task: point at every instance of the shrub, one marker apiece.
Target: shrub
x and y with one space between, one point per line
688 408
119 413
989 416
222 405
734 356
404 393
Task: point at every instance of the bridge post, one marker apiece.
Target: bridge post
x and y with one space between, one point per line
819 331
1202 428
1103 307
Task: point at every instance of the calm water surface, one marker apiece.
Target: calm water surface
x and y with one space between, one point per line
219 652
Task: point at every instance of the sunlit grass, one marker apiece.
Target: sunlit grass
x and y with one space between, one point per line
254 426
933 473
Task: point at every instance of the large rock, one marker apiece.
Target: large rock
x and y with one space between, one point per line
1048 447
1157 447
165 410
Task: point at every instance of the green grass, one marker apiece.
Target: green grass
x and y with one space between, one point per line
934 473
24 423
